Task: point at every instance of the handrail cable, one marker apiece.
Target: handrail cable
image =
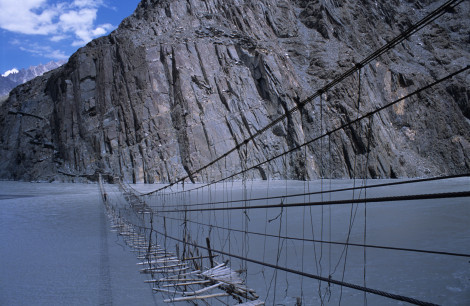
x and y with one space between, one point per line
422 180
323 241
426 196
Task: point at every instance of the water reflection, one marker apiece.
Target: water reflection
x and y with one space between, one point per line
57 249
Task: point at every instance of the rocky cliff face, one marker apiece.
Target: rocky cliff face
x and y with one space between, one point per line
181 82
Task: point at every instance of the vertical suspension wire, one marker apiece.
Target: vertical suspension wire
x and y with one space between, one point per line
352 217
227 213
330 174
263 268
369 139
322 207
312 229
163 205
286 233
185 233
217 220
211 191
306 182
230 220
197 215
225 203
279 244
206 196
177 197
250 196
225 200
229 217
245 215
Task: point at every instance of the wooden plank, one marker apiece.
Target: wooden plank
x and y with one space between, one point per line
166 267
206 289
126 233
198 297
199 257
171 280
152 262
151 281
184 274
214 268
148 271
252 303
189 293
196 282
156 255
146 247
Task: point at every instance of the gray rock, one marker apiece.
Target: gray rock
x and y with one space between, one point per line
180 83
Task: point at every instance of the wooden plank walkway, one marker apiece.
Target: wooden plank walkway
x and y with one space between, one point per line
178 279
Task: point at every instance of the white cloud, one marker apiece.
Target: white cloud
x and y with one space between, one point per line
103 29
60 20
88 3
27 16
15 42
57 38
57 55
44 51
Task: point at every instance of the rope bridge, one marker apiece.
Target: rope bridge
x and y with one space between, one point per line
237 240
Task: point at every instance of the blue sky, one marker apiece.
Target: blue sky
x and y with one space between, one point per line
38 31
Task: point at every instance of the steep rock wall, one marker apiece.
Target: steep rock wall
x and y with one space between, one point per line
182 82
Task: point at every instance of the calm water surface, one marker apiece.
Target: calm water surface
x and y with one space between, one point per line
57 249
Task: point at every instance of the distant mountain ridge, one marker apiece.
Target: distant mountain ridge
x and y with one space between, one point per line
18 77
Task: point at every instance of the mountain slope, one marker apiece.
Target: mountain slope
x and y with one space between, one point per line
10 81
182 82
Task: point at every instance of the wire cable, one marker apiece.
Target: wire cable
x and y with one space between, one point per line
303 239
427 196
388 184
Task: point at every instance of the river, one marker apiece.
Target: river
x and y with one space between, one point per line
57 249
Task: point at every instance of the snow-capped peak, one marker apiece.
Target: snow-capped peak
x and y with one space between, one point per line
12 71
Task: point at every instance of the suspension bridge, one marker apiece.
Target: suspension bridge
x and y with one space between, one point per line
237 240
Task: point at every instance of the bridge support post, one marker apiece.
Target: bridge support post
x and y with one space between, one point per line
211 258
